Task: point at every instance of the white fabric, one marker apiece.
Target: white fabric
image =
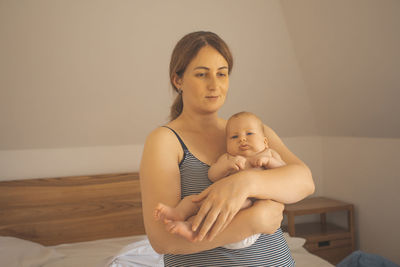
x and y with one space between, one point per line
294 242
137 255
15 252
92 253
244 243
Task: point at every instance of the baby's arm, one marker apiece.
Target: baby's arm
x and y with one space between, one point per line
268 159
225 165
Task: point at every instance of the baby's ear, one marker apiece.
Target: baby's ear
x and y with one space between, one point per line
266 142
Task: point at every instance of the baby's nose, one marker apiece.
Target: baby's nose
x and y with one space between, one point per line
243 138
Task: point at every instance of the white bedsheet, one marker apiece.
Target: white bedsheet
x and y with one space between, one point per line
136 251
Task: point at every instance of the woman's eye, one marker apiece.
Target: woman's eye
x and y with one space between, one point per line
221 74
200 74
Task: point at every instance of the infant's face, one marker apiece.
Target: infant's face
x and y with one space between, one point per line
245 137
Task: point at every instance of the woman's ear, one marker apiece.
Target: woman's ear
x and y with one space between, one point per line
177 81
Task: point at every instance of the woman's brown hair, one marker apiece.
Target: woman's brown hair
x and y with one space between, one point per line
185 50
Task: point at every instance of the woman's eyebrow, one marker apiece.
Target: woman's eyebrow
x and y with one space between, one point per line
205 68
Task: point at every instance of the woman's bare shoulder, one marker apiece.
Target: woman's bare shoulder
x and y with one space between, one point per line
162 137
162 147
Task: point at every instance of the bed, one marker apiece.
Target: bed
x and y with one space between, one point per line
84 221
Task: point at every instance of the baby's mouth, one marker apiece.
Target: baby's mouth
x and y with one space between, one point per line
244 147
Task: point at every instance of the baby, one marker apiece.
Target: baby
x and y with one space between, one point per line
247 147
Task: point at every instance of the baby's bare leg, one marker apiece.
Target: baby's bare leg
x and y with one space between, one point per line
185 208
184 228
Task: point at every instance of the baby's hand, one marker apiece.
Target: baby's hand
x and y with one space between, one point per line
260 162
268 159
236 163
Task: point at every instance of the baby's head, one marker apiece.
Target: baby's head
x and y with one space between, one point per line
245 135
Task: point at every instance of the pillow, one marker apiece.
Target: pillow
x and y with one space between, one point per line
294 242
15 252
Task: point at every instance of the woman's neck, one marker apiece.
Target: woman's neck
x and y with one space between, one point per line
200 122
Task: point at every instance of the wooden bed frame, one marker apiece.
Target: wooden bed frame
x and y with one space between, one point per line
71 209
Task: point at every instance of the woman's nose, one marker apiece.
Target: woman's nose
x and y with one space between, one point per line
212 83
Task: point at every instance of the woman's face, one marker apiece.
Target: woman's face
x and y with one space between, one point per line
205 82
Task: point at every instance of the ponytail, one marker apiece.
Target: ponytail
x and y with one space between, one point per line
176 108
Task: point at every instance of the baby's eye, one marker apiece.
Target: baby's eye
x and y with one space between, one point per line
250 133
234 136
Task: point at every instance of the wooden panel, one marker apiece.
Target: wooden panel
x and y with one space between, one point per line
335 255
324 239
316 205
315 232
71 209
327 244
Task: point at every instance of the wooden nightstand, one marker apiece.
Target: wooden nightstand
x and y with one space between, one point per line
329 241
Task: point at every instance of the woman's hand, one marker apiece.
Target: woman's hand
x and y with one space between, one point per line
220 203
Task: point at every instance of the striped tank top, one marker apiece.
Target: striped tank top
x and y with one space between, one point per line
268 250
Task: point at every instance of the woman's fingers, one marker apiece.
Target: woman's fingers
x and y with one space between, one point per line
222 222
220 202
203 211
217 227
228 221
201 196
208 223
216 221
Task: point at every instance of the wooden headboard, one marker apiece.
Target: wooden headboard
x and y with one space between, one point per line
53 211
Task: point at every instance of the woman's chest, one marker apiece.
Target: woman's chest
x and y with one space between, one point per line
206 148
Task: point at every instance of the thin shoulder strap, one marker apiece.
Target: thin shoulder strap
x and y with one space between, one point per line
179 138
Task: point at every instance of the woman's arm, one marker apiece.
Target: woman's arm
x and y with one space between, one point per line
287 184
160 182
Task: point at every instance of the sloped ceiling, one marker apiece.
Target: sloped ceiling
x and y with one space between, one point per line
349 56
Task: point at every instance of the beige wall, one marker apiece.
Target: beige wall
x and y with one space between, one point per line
348 52
364 171
84 73
348 57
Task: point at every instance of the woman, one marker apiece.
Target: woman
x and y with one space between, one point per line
175 164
